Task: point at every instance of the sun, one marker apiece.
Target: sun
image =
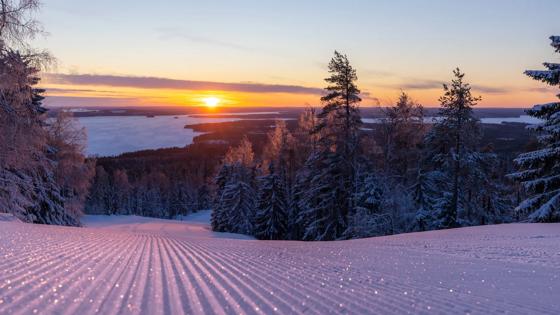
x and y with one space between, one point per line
211 102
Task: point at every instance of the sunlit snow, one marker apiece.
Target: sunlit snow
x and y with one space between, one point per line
149 266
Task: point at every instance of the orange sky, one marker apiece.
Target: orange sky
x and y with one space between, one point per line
275 53
70 94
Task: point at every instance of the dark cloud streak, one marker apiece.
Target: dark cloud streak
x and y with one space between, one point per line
164 83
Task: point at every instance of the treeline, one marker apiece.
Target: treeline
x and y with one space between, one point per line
330 179
162 183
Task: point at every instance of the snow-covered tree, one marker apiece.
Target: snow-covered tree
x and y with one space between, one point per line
340 120
121 192
271 217
305 133
324 202
242 154
426 194
279 144
238 205
17 23
452 145
403 130
234 202
369 217
328 174
43 174
540 170
73 172
28 184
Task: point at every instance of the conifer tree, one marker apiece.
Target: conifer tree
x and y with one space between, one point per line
452 143
323 206
234 204
369 217
403 130
540 170
340 119
238 204
330 170
271 218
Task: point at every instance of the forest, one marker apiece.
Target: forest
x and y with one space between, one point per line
323 177
328 178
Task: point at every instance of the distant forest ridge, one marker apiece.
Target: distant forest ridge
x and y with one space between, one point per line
264 112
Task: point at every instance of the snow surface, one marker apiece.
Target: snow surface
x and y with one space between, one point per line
113 135
525 119
8 217
150 266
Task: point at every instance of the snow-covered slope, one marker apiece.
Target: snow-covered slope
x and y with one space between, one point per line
139 265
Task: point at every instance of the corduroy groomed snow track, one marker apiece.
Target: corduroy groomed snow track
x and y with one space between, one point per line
153 266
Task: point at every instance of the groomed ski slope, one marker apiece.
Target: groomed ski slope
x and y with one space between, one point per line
148 266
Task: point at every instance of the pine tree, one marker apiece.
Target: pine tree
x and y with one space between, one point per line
330 170
540 170
271 218
452 143
340 118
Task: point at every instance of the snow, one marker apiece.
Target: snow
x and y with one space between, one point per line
150 266
8 217
113 135
524 119
195 225
197 217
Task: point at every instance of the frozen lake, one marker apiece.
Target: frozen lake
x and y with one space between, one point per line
526 119
113 135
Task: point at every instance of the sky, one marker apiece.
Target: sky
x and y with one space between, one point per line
275 53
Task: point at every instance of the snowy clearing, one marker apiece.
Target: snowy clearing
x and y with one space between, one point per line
149 266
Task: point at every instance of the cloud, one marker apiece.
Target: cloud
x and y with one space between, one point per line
376 73
427 84
165 83
66 91
492 89
72 101
168 33
421 84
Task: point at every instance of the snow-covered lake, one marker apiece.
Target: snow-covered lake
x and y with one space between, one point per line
526 119
113 135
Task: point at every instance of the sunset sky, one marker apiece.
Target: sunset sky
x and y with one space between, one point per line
275 53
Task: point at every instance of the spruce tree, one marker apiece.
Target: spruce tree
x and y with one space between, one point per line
369 217
540 170
271 217
238 203
324 203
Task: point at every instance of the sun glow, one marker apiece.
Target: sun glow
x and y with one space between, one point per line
211 102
